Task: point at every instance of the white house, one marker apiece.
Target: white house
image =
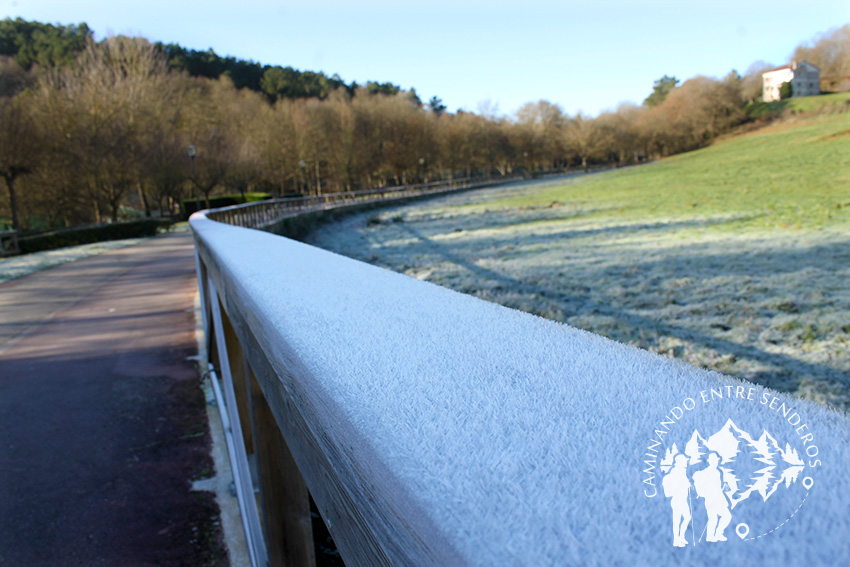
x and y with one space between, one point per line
803 76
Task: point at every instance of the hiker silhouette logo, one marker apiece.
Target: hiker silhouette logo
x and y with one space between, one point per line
722 483
707 476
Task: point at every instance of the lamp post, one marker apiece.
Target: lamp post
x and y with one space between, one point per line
303 164
193 151
422 170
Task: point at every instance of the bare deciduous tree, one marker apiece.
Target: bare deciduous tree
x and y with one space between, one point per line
584 137
831 52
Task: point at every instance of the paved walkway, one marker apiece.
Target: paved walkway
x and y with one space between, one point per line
102 421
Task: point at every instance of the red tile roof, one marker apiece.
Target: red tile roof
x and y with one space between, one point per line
792 65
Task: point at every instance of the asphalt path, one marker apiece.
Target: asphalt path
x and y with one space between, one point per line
102 419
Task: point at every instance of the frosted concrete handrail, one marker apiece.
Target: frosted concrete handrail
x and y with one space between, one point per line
433 428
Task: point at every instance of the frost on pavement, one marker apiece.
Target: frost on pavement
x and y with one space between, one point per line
17 266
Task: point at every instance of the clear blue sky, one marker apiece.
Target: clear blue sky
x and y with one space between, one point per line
585 56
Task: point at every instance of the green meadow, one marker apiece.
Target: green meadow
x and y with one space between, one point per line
734 258
792 175
826 102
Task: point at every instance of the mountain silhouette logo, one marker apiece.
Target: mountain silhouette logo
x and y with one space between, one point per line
718 473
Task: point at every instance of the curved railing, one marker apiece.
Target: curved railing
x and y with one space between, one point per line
264 213
433 428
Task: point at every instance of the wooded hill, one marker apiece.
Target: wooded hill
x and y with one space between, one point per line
47 45
91 131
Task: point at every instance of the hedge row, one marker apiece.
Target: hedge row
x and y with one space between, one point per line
87 234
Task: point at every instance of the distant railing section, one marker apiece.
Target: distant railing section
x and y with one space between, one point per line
263 213
9 243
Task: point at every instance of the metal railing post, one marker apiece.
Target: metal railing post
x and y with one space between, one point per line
201 274
242 472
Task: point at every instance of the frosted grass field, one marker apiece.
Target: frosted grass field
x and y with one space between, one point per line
770 304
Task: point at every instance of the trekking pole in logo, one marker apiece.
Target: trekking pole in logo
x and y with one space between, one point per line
691 509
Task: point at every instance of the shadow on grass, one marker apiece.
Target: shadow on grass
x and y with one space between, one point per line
487 221
787 372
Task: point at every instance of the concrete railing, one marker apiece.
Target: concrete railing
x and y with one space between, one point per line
433 428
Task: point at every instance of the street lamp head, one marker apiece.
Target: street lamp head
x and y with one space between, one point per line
302 163
192 151
422 161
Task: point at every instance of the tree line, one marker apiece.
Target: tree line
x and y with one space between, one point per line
47 45
88 129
